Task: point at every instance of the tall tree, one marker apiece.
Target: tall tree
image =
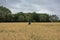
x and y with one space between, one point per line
5 14
21 18
43 17
53 18
35 16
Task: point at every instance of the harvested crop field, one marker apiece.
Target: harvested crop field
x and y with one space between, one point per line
35 31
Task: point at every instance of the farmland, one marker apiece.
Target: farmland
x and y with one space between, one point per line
35 31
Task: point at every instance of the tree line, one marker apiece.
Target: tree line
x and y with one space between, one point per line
7 16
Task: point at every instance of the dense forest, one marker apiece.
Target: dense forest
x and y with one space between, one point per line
7 16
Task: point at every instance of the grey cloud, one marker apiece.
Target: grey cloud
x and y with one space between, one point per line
48 6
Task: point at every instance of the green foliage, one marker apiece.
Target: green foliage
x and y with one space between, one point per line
43 17
7 16
35 17
21 18
53 18
58 20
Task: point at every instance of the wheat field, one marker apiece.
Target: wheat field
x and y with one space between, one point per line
35 31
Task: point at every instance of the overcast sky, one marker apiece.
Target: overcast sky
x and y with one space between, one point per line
41 6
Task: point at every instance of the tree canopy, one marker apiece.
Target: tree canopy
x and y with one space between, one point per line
7 16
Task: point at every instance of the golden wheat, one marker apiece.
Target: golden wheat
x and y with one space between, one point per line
35 31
